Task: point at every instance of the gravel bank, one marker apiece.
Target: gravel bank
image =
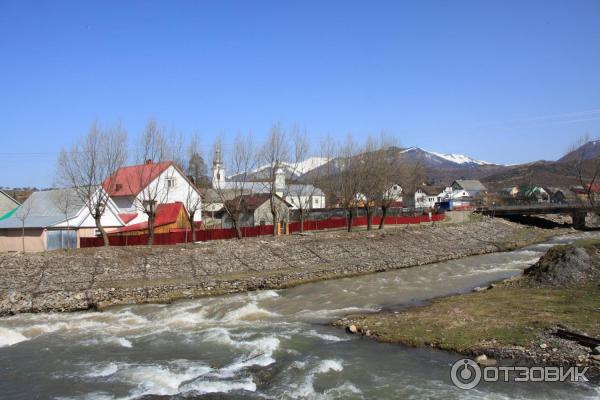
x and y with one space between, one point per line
99 278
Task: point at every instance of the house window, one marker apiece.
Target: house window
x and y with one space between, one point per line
170 182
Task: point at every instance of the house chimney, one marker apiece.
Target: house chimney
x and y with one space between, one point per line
149 161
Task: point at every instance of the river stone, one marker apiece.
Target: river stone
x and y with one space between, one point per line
352 329
596 350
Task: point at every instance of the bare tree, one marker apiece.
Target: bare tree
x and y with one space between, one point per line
241 161
155 177
274 153
301 193
91 163
22 214
342 181
585 163
193 198
370 172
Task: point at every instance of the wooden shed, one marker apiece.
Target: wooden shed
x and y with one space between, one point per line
168 216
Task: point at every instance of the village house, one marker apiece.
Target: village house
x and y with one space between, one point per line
472 186
393 196
133 187
466 193
53 219
255 210
535 194
8 205
427 197
305 196
560 195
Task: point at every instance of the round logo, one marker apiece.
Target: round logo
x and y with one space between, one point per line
465 374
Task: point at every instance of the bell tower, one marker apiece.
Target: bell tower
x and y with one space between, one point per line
218 177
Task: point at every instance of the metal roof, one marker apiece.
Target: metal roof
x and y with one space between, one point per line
303 190
45 208
470 185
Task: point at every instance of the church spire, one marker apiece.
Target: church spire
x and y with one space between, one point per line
218 177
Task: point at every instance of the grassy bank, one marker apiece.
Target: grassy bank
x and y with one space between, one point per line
513 319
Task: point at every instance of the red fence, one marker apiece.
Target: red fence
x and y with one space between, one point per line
182 235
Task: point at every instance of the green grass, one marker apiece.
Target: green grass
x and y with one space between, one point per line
513 316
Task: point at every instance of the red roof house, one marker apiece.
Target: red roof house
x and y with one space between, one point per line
130 181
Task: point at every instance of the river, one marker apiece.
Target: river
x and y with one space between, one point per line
266 344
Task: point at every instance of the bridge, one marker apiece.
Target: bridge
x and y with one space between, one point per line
577 211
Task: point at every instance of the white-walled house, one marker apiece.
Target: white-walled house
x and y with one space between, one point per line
161 182
427 197
54 219
392 195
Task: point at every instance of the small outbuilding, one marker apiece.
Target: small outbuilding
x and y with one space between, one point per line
255 210
169 216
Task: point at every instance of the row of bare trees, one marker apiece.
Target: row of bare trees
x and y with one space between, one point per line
366 177
351 175
92 162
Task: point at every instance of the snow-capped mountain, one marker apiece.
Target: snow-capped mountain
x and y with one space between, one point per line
441 160
307 165
292 170
435 163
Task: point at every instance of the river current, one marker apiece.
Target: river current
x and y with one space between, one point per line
265 344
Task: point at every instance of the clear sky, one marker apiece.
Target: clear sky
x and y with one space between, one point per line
502 81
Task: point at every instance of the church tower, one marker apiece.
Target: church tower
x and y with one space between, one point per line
218 178
279 180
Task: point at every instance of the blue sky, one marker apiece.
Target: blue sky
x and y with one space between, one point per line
505 81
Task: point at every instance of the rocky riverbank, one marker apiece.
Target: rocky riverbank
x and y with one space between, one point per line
102 277
548 316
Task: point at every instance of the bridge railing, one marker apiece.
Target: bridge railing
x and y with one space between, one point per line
540 206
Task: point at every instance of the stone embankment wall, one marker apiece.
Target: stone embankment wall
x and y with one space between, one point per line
101 277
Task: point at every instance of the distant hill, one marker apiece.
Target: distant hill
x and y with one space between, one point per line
441 169
440 160
538 173
588 151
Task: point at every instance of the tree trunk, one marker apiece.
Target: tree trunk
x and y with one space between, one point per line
23 235
97 219
350 220
193 228
238 230
369 211
151 218
383 214
274 216
301 220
